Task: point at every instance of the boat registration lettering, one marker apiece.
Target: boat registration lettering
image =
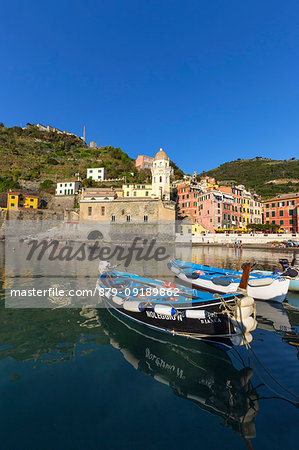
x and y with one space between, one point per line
154 315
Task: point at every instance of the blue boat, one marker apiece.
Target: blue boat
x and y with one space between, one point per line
270 287
222 320
290 271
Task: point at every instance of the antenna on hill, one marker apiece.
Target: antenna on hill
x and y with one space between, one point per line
83 137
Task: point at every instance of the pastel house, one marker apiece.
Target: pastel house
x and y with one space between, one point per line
96 173
68 187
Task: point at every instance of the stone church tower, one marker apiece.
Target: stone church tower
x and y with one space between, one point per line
161 172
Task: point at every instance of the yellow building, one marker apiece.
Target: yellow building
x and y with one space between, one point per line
198 229
246 208
137 190
17 200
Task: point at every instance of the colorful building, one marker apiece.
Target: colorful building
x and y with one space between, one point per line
187 194
21 200
144 162
283 210
137 190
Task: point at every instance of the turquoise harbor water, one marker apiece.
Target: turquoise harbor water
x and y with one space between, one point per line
80 378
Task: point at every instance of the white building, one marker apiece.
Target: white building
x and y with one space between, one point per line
97 173
68 187
161 172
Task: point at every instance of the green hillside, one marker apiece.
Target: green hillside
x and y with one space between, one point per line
44 157
267 177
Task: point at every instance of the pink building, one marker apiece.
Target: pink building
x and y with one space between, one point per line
144 162
220 209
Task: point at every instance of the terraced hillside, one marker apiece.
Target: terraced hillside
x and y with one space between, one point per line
268 177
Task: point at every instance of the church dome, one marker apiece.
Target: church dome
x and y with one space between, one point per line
161 155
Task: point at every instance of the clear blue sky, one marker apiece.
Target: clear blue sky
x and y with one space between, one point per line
210 81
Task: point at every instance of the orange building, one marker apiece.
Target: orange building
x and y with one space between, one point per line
144 162
283 210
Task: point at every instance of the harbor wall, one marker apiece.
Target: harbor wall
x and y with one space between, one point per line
245 238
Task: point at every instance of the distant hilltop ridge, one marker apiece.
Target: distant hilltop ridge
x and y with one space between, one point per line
49 129
267 177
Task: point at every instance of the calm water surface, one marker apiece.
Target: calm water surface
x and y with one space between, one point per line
80 378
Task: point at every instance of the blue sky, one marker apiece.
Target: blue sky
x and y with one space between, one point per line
210 81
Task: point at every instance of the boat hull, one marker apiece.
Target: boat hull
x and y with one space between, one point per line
294 283
216 331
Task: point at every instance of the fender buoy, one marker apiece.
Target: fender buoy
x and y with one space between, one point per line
200 272
170 285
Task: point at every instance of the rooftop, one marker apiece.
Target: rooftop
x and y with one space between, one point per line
161 155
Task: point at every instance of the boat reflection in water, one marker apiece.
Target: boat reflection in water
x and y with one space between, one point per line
283 319
192 369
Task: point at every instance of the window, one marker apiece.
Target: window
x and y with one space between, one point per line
273 205
281 213
113 218
31 206
89 210
290 212
143 187
103 210
32 199
267 214
135 193
128 218
146 193
273 214
281 222
218 219
12 204
145 218
128 193
13 197
291 221
160 179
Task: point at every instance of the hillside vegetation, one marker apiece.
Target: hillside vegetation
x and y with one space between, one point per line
45 157
267 177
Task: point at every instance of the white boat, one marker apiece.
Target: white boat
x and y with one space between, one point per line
289 270
261 287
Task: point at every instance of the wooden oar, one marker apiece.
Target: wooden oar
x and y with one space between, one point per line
245 277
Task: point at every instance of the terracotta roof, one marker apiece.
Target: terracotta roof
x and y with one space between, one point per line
161 155
27 194
283 197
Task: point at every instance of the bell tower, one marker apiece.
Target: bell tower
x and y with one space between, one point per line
161 176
